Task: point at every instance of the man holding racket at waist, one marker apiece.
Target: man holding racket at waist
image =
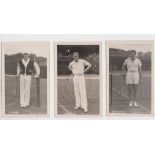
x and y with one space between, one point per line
25 69
77 67
133 76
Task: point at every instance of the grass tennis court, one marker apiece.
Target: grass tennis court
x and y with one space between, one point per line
66 98
12 100
118 95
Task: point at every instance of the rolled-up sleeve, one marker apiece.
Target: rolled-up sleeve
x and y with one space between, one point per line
86 63
37 68
18 69
125 62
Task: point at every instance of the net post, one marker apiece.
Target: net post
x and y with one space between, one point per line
38 91
16 86
111 89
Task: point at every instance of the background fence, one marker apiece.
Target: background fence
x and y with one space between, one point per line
11 62
117 57
88 52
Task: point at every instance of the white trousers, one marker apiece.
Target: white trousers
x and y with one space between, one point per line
25 86
80 92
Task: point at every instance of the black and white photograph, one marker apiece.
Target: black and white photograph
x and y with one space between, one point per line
130 77
25 78
77 79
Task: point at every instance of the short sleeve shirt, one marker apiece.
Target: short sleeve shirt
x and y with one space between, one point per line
78 67
132 65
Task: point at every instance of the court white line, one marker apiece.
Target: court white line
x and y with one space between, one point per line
144 108
11 104
125 96
67 111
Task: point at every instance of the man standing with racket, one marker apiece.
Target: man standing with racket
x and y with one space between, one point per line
77 67
25 69
133 76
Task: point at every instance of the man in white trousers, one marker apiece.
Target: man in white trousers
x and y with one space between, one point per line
25 69
79 67
133 76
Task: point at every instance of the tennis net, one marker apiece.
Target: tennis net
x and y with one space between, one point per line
117 85
12 88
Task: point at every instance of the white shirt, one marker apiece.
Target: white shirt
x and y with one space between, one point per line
78 67
25 63
132 65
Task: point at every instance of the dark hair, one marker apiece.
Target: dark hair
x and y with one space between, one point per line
132 51
75 53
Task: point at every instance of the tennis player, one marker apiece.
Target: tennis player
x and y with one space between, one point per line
25 69
133 76
79 67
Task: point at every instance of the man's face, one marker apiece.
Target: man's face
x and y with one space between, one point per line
26 57
75 57
133 55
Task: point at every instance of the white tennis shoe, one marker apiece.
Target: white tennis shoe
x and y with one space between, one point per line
85 110
76 107
130 104
23 106
135 104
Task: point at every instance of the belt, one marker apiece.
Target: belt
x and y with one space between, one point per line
132 72
78 74
26 74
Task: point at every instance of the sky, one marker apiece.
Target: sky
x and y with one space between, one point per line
143 46
38 48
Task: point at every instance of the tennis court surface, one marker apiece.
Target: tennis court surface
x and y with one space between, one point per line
66 98
118 95
12 99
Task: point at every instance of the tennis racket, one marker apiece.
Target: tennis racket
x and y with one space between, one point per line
123 88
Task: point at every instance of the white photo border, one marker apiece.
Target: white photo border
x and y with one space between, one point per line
56 115
24 116
120 42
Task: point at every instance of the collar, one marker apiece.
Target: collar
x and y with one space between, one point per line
25 62
75 61
132 60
